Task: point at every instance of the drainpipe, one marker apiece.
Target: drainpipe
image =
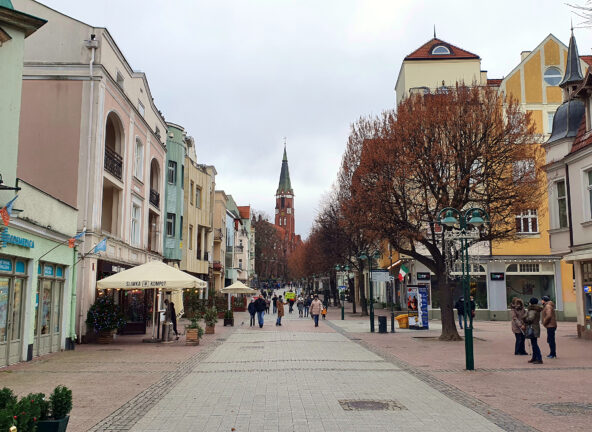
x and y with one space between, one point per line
91 44
567 191
73 300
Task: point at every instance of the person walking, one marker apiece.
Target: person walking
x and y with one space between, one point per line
252 312
173 314
460 309
267 304
274 302
518 313
307 305
260 308
280 310
532 319
316 307
549 320
300 306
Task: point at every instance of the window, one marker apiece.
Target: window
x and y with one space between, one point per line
119 80
589 188
172 177
182 176
181 229
283 200
191 192
561 203
135 231
139 168
240 263
190 237
284 221
141 108
198 197
550 117
289 210
170 225
529 268
527 222
441 50
553 76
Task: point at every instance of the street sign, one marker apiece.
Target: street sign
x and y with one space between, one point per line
380 276
457 235
341 287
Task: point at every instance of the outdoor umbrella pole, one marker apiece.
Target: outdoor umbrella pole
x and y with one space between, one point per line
153 312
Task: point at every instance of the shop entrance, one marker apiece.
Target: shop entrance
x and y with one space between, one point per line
48 309
11 314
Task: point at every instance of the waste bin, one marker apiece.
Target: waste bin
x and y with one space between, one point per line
403 321
381 324
167 331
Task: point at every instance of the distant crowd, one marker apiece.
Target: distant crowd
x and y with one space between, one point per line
271 300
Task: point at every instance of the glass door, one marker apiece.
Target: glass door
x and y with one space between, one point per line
4 291
11 313
43 312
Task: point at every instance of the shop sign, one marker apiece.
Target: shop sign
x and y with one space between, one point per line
381 276
423 276
5 265
497 276
7 238
588 289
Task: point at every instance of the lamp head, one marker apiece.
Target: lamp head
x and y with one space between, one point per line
476 220
363 256
346 267
449 220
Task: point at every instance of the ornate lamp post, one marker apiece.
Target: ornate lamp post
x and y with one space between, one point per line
452 218
370 257
339 268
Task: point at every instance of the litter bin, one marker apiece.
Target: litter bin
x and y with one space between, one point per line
167 331
381 324
403 321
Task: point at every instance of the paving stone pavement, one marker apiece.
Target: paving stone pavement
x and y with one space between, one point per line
266 380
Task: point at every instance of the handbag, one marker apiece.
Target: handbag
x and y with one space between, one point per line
529 333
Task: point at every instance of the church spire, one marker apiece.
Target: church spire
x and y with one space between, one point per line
285 186
573 71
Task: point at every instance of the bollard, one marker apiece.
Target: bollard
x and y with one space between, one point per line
381 324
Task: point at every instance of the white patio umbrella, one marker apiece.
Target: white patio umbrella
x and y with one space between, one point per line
237 288
153 274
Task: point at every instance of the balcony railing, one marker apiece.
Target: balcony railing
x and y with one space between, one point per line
217 265
154 198
238 248
113 162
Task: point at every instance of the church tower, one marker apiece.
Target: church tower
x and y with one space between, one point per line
284 200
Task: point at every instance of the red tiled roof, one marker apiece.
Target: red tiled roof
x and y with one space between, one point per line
424 52
587 59
583 138
494 82
244 211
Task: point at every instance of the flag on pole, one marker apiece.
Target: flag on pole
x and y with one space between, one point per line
101 246
72 241
6 211
402 272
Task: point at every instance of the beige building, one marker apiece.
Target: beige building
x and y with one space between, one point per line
198 216
437 64
219 254
89 116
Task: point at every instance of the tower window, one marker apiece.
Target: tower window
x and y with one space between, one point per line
441 50
553 76
283 202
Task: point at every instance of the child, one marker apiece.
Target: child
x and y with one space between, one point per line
324 312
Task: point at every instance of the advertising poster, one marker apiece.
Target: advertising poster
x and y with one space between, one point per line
423 292
412 305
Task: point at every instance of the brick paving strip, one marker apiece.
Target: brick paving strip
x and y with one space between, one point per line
126 416
498 417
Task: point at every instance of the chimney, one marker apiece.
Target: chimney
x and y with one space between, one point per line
524 54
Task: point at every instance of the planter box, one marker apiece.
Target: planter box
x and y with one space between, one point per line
221 314
210 330
105 337
191 337
229 322
53 425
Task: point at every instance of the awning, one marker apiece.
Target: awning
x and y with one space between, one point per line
579 256
238 288
153 274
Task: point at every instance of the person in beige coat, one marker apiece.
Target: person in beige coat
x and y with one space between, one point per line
316 307
518 313
549 320
280 310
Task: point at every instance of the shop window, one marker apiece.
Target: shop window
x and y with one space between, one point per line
20 267
561 204
529 268
527 222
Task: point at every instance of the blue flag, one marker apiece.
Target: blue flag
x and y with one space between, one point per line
101 246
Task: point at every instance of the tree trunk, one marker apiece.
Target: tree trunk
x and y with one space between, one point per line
352 290
449 332
362 287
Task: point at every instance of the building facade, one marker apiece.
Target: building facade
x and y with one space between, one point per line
98 126
219 255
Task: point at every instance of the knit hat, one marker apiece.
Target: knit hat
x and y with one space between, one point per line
545 298
534 301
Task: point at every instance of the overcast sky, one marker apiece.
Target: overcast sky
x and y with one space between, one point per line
240 75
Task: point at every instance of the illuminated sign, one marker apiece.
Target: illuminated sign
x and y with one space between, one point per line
497 276
588 289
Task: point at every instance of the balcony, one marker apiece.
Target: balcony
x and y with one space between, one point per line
154 198
238 248
218 234
113 162
217 266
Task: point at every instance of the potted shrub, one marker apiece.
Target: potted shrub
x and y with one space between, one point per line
105 317
7 409
210 318
193 333
60 405
229 318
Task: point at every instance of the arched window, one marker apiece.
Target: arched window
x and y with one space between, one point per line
553 76
139 159
441 50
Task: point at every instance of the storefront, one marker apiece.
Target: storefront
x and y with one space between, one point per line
13 282
49 299
528 280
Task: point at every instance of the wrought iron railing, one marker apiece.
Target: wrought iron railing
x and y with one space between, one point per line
113 162
154 198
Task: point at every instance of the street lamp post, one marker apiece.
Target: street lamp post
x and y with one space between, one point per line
339 268
476 217
369 257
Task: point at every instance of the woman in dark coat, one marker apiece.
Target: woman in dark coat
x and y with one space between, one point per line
518 313
533 319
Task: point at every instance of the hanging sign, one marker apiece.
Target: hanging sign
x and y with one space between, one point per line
423 276
497 276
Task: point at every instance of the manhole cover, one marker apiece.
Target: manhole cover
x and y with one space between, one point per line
370 405
567 408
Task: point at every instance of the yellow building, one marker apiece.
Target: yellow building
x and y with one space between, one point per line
529 267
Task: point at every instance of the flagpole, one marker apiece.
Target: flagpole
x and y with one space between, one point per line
52 249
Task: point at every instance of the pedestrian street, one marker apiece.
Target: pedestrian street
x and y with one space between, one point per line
295 378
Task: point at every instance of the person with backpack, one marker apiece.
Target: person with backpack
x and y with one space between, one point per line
532 329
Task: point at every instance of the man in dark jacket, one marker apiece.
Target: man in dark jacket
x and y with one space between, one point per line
549 320
260 305
460 309
274 302
252 312
532 319
173 313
